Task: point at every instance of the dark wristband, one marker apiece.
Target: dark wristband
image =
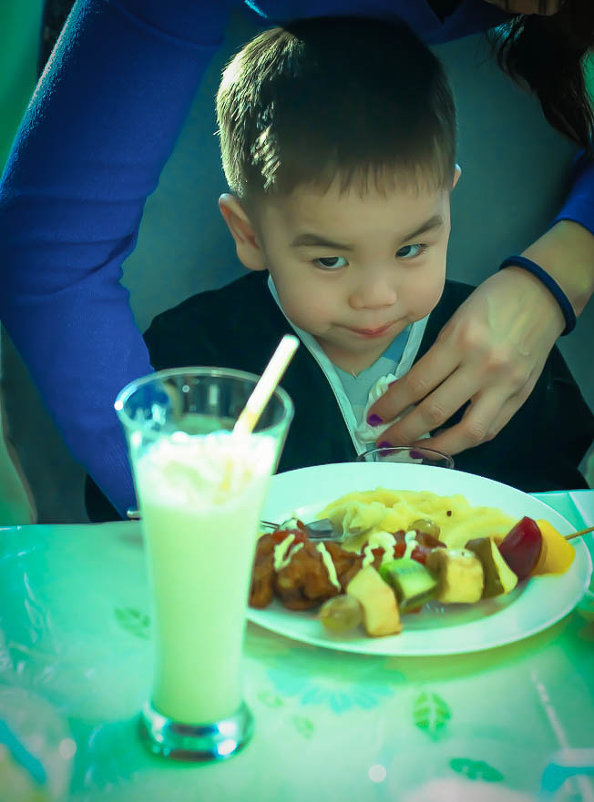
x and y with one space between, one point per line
551 285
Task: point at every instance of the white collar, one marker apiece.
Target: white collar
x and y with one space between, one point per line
363 435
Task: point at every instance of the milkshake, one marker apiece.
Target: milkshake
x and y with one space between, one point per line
200 500
202 454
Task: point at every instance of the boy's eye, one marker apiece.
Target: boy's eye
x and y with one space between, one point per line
410 251
331 262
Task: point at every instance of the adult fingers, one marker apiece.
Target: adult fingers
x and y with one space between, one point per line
484 418
436 409
423 378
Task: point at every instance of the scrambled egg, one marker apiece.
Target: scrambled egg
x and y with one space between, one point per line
366 512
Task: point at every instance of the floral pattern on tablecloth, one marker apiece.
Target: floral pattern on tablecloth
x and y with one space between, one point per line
354 686
431 713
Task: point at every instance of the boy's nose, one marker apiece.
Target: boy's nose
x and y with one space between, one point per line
373 292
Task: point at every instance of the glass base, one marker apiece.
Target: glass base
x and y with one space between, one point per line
195 742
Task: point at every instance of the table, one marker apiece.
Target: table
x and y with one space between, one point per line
75 654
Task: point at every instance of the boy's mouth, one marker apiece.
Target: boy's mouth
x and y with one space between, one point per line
380 331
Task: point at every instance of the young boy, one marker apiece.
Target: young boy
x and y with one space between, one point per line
338 143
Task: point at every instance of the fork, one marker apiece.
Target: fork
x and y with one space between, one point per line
322 529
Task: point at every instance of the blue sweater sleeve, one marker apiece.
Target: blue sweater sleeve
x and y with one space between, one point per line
579 205
71 200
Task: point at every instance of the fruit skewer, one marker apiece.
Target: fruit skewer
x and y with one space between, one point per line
580 533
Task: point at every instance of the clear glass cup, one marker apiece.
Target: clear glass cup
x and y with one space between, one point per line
409 454
200 490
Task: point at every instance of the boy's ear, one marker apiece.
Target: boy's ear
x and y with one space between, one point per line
457 174
239 224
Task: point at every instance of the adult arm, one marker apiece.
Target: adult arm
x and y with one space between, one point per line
494 347
94 139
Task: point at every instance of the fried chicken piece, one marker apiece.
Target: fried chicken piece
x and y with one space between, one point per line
304 583
262 587
346 563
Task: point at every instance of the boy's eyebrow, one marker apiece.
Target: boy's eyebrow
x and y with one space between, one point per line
310 239
315 240
433 222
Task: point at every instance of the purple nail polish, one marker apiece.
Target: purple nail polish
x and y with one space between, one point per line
384 444
374 420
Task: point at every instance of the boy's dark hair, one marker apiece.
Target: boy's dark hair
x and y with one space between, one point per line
344 97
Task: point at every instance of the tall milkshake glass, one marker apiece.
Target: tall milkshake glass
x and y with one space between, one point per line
200 490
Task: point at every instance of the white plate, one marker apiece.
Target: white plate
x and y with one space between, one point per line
438 630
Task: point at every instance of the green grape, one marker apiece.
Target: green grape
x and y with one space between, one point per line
425 526
341 614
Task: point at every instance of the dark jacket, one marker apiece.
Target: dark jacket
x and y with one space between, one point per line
240 325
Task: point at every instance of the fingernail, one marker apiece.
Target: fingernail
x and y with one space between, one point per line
374 420
384 444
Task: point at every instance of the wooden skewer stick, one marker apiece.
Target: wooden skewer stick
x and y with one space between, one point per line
580 533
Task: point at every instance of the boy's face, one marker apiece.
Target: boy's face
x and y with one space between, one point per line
353 270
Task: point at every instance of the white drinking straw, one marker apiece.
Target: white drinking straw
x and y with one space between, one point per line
266 385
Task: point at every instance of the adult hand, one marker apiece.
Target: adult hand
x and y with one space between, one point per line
492 351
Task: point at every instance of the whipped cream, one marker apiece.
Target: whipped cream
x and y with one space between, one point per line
202 470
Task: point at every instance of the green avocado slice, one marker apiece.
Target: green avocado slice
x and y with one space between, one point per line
499 577
413 583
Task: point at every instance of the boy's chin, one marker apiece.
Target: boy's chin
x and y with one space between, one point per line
354 359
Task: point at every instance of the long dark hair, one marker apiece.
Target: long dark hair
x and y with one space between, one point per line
548 55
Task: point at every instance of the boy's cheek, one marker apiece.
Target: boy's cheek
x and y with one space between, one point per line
427 299
302 310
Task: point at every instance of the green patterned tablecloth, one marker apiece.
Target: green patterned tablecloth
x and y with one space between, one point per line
75 657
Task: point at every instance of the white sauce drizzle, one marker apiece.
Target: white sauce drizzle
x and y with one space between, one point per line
410 538
332 576
462 553
383 540
367 555
283 552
